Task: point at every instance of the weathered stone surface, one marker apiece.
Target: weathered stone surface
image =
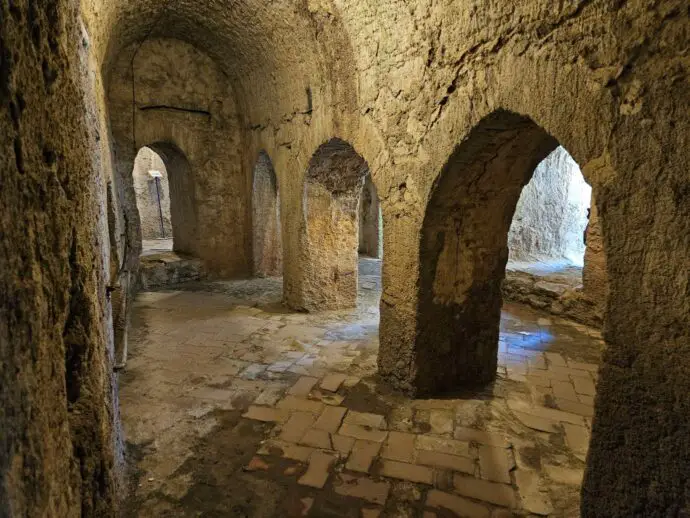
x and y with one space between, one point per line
330 418
362 455
499 494
405 471
267 248
59 445
152 195
460 506
399 446
318 471
361 487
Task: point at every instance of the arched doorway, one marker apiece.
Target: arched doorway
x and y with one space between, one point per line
330 239
165 199
266 245
555 241
464 251
152 190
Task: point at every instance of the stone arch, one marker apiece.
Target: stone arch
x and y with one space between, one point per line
551 215
330 226
169 93
266 243
183 209
555 238
463 250
152 191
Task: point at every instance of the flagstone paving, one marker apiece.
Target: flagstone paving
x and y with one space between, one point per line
233 406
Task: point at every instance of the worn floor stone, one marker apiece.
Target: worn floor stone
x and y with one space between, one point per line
318 471
362 443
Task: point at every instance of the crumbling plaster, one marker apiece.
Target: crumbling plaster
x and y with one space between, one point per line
403 83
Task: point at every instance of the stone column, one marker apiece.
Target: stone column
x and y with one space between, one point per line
594 277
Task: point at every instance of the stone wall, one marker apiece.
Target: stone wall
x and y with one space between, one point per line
185 110
594 276
551 214
58 407
153 201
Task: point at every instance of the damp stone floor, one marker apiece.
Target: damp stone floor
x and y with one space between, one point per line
232 406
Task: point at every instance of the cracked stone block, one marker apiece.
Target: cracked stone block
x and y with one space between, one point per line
330 419
495 464
456 504
445 461
406 471
441 422
259 413
303 386
332 382
361 432
296 426
363 455
365 419
399 446
533 497
362 487
342 444
301 405
443 445
584 386
492 492
317 439
318 470
286 450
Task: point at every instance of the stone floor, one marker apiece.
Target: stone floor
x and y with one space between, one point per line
553 286
563 273
156 246
160 266
234 407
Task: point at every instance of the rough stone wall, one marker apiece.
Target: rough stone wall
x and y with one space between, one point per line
184 103
266 240
56 397
551 214
369 221
150 212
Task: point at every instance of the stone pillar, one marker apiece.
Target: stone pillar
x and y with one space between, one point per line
461 261
266 240
640 448
329 249
369 221
594 278
326 271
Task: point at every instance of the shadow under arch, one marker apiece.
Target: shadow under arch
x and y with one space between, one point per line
463 251
267 248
